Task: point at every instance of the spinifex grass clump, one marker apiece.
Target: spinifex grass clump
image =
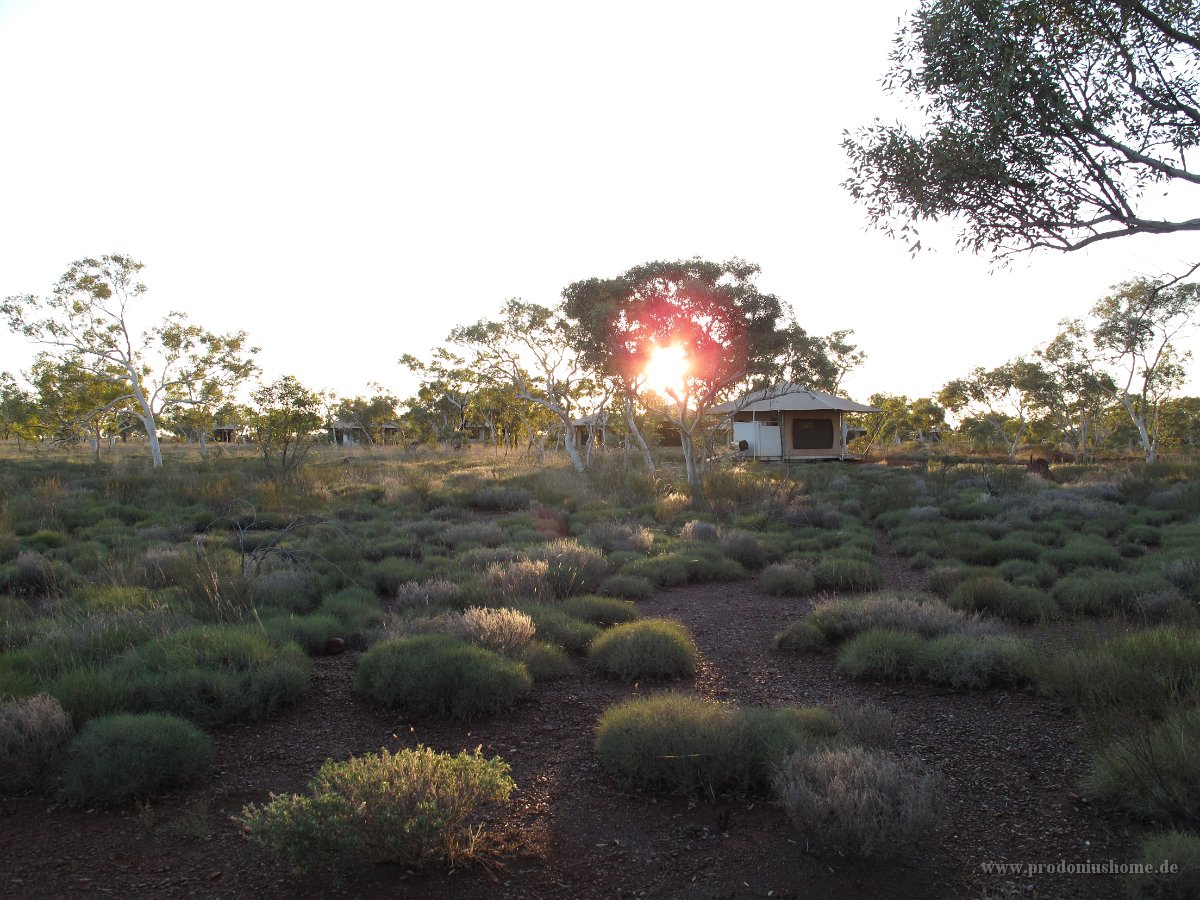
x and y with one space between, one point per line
957 661
1182 849
992 594
1148 672
556 625
214 674
787 580
1153 773
844 574
34 732
410 808
648 648
572 568
600 610
438 675
834 621
867 803
681 744
120 758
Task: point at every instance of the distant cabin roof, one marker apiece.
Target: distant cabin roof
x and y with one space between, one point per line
790 397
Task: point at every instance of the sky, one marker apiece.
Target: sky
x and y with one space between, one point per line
348 181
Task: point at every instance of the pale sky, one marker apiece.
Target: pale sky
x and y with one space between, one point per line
348 181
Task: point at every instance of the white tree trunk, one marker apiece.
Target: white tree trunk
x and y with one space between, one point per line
647 456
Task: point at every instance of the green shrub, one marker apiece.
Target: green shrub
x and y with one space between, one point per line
1084 550
388 575
215 674
116 759
600 610
963 662
696 564
799 637
501 630
411 808
787 580
886 654
437 675
1149 671
546 661
866 803
431 592
500 499
89 692
864 723
844 617
1099 593
522 579
356 609
618 536
745 548
559 627
34 732
1027 574
994 595
1180 849
699 531
834 574
311 632
572 568
1153 774
682 744
648 648
631 587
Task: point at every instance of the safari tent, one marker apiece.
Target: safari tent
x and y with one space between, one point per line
790 422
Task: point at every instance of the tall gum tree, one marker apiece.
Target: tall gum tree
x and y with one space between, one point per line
86 322
728 330
1044 123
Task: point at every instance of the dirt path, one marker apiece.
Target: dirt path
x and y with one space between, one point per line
1009 759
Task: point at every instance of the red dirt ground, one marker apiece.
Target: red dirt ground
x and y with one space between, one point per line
1010 760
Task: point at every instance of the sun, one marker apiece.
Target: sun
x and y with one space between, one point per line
667 368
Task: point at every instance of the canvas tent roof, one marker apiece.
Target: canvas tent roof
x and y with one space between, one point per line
792 397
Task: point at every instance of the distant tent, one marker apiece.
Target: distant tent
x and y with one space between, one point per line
789 421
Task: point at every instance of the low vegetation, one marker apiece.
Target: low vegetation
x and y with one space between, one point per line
411 808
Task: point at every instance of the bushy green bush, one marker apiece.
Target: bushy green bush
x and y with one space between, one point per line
600 610
745 548
1153 774
833 621
430 592
1099 593
841 574
412 807
215 674
312 632
116 759
700 531
648 648
943 579
867 803
631 587
1180 849
696 564
522 579
572 568
787 580
505 631
619 536
992 594
682 744
1149 671
557 626
1084 550
546 661
437 675
356 609
34 732
958 661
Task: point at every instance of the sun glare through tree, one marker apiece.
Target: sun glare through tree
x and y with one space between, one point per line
667 369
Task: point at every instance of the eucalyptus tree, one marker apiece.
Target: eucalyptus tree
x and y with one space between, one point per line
725 329
535 350
87 323
1133 335
1043 123
997 401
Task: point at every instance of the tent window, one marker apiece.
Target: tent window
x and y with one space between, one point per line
812 434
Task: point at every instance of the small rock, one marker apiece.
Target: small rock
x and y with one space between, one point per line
334 646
